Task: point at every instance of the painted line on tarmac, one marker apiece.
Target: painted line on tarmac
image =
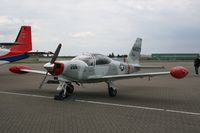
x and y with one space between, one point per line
139 107
120 105
108 104
22 94
182 112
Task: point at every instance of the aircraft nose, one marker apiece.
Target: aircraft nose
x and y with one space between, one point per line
55 69
58 68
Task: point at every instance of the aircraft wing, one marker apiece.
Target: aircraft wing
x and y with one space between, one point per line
25 69
34 71
127 76
177 72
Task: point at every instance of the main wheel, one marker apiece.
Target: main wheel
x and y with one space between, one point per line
70 88
112 92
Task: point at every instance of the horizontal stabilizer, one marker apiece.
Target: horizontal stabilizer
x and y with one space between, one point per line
150 67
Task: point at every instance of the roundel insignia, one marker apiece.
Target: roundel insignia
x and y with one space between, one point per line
121 67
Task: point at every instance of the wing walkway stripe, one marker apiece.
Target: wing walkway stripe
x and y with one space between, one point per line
108 104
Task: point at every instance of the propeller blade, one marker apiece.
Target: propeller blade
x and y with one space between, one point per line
49 66
56 54
41 84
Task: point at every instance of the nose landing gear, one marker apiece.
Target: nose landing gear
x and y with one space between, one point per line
64 90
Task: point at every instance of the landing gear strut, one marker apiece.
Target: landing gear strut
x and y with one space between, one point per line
112 91
64 89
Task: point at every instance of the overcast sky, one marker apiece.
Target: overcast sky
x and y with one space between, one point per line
104 26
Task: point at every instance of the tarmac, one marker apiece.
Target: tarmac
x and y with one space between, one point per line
159 105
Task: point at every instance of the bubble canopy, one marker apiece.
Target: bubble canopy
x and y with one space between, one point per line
94 59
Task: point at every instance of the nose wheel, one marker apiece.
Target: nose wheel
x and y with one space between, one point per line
61 95
70 88
64 89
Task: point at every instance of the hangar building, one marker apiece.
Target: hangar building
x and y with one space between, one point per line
174 56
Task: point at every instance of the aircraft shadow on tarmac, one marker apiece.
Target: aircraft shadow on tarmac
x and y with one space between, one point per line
135 95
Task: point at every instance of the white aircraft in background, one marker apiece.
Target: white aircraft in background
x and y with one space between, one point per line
94 68
11 52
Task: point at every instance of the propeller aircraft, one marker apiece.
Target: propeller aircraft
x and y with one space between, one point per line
94 68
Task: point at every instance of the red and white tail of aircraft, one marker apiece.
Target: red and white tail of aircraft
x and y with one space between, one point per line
11 52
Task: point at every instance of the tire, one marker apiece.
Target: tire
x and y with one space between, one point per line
57 97
112 92
60 96
70 89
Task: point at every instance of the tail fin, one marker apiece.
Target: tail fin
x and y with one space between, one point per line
134 54
23 42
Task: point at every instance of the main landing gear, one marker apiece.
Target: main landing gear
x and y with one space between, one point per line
64 90
112 91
